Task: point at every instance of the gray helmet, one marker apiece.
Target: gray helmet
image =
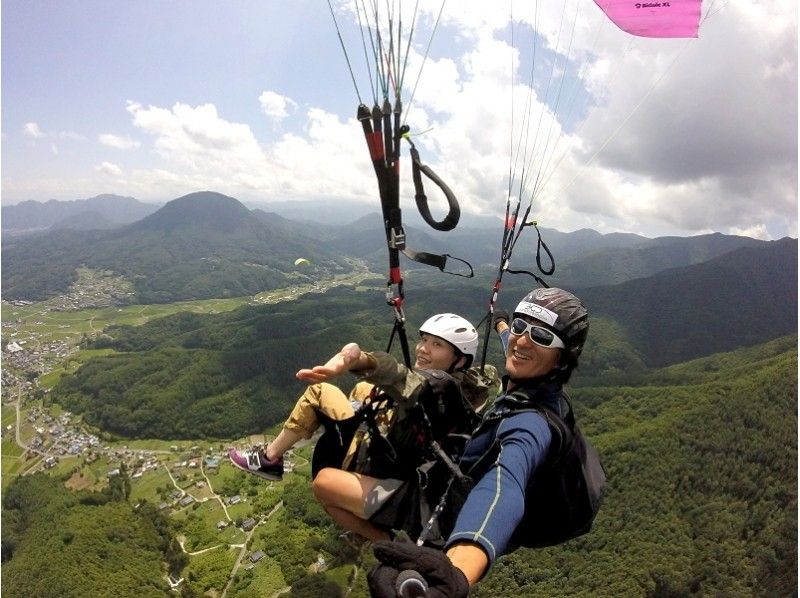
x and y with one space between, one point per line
563 313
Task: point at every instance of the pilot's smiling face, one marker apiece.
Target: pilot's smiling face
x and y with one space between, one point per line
526 359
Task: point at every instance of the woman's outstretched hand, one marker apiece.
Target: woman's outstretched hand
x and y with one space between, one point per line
348 358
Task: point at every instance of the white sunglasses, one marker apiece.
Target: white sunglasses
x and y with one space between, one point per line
538 335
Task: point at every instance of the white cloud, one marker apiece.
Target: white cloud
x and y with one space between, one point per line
678 135
198 138
109 168
329 160
276 106
117 141
32 129
655 136
205 151
712 144
759 231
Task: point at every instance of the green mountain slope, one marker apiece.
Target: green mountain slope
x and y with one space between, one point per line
203 245
219 376
230 374
702 497
604 266
742 298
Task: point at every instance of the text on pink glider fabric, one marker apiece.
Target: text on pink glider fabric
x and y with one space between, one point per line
673 18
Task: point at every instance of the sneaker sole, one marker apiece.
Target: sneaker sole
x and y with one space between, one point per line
266 476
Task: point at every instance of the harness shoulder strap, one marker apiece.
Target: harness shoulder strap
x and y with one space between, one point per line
562 427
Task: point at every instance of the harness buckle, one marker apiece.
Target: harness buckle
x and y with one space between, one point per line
397 304
395 297
397 238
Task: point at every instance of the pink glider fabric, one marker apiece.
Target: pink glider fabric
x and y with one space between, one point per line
673 18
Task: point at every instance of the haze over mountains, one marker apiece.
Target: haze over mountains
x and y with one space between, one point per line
206 244
99 212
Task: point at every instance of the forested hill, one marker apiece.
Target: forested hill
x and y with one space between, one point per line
178 377
213 212
59 543
741 298
192 367
203 245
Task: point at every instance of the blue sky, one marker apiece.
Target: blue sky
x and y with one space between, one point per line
156 99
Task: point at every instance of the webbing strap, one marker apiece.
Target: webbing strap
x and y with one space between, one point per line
377 127
438 261
510 236
399 330
450 221
540 244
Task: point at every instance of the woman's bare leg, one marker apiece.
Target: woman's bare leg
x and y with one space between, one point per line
343 494
285 440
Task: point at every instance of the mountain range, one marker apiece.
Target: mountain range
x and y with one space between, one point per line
738 299
207 244
99 212
194 365
198 246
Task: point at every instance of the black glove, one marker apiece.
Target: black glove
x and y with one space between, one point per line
500 315
442 578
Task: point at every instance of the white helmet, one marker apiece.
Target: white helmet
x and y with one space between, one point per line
455 330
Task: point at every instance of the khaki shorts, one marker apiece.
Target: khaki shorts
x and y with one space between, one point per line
379 495
324 397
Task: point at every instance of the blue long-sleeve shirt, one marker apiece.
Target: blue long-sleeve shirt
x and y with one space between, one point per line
502 458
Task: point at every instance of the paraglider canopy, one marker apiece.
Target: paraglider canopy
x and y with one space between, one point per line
301 261
675 18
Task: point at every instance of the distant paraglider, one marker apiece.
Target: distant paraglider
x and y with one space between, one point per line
301 261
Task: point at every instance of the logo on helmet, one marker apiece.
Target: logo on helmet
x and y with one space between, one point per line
537 311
